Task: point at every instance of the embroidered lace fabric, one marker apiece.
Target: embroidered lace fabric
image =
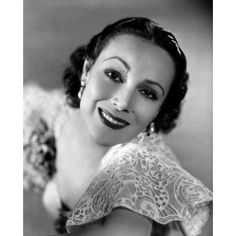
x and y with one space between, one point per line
142 175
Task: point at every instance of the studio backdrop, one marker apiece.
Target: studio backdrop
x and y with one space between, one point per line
53 29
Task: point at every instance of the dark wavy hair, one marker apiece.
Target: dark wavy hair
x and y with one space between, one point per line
155 34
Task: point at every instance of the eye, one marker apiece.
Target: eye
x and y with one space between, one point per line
114 75
149 94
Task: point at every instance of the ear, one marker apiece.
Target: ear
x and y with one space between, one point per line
86 67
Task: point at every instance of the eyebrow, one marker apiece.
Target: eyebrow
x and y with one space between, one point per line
121 60
157 84
128 68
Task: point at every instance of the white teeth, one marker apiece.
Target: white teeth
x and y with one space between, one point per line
110 119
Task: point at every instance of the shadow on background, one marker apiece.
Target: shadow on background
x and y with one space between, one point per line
53 29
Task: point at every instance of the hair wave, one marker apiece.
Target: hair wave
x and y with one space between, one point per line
147 29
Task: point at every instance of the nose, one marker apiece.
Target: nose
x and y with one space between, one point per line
122 101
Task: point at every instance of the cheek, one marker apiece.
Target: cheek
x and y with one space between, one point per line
146 112
98 88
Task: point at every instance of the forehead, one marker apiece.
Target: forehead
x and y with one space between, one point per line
140 54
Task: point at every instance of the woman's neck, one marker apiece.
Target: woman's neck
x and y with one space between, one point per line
84 139
78 158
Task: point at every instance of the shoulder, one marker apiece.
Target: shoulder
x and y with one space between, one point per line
120 222
127 222
143 177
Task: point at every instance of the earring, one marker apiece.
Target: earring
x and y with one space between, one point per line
152 128
82 87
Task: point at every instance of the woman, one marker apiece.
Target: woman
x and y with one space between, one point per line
98 155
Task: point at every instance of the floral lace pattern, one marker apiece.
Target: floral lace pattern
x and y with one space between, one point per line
143 177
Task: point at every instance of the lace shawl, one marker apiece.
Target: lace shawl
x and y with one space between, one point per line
144 176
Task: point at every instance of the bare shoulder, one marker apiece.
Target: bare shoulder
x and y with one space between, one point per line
122 221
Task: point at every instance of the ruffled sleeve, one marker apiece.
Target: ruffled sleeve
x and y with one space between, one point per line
145 177
41 109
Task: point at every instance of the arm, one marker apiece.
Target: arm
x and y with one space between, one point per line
120 222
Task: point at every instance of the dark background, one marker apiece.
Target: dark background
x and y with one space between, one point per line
54 28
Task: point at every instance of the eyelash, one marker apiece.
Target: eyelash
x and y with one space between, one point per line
118 75
150 94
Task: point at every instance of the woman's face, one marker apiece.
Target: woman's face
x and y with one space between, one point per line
125 89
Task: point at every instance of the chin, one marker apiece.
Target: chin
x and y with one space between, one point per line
104 142
106 139
111 139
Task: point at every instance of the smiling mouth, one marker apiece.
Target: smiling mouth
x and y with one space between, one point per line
111 121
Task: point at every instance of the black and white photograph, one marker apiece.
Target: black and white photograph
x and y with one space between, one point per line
117 117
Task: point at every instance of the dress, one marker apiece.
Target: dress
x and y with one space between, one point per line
142 175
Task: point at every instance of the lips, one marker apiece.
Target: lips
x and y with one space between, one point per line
110 120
